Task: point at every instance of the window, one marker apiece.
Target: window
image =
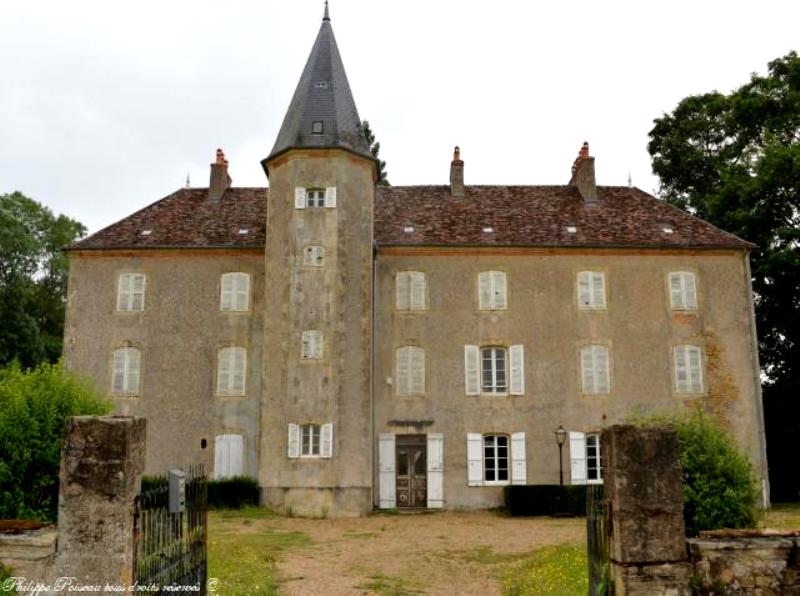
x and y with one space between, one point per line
492 290
310 440
228 456
495 459
130 291
231 367
314 197
311 347
126 371
591 290
594 460
410 290
486 370
410 370
317 126
594 369
682 294
314 256
234 292
688 369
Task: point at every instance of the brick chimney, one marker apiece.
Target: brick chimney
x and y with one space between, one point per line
220 180
583 174
457 174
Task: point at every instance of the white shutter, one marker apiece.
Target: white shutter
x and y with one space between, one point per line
293 446
681 369
242 291
386 463
416 383
518 463
601 372
402 283
326 446
137 291
417 297
224 371
238 366
124 292
485 290
330 196
675 291
584 289
299 198
577 457
474 459
598 290
472 379
118 374
220 456
516 356
226 289
132 372
689 291
435 470
695 370
403 370
235 455
587 370
499 297
316 344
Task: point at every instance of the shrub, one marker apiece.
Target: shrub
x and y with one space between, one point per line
34 406
719 490
545 499
232 493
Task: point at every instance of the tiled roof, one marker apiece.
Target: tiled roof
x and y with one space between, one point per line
486 216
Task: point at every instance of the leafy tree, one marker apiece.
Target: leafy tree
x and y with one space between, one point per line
34 406
734 160
375 148
33 279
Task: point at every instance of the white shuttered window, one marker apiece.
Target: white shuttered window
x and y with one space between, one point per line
314 197
310 441
410 290
492 290
386 467
595 370
496 459
228 456
234 291
577 457
435 454
126 371
410 370
688 369
314 256
472 370
130 291
682 291
311 347
591 290
231 368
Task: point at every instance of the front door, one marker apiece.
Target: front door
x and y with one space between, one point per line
412 471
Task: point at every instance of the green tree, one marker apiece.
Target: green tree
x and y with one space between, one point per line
375 148
33 279
734 160
34 406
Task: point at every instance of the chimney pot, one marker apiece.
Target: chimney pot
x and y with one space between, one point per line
457 174
220 180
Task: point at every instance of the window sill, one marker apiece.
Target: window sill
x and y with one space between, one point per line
126 395
593 308
496 483
506 394
231 396
235 312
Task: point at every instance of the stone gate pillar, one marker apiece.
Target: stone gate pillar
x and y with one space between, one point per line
643 487
101 464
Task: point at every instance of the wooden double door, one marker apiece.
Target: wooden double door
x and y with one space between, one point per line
412 471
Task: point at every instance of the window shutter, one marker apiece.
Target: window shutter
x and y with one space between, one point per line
499 290
293 449
326 445
242 285
690 292
386 463
403 371
518 463
675 291
417 297
235 455
695 370
516 355
239 365
584 289
220 457
435 470
137 291
299 198
474 459
681 369
123 291
416 384
330 196
118 376
587 370
132 374
224 371
598 290
472 380
402 290
484 290
602 381
226 288
577 457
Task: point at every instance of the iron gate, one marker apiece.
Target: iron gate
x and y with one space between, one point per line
170 548
597 540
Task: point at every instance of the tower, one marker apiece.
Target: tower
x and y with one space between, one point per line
316 414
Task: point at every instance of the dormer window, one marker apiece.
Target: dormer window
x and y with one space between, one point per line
317 127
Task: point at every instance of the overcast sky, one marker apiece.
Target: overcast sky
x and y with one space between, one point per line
106 106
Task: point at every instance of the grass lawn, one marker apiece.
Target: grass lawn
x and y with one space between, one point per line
783 515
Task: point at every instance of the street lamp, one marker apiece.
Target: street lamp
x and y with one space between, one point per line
561 437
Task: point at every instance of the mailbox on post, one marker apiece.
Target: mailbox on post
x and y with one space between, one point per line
177 491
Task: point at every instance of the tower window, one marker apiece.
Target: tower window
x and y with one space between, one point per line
317 127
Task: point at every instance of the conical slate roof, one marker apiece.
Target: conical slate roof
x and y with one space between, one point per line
322 96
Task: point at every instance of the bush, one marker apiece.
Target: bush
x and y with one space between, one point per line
232 493
34 406
545 499
719 490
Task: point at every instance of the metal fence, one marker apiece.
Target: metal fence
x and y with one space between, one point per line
170 548
597 539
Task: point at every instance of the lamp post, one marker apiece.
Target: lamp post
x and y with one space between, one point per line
561 437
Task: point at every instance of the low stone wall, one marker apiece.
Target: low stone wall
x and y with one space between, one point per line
754 562
30 553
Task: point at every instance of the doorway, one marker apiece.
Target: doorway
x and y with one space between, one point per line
412 471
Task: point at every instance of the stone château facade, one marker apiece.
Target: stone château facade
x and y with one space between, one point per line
355 346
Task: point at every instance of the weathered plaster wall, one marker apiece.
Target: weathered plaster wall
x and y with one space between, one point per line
179 333
638 326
